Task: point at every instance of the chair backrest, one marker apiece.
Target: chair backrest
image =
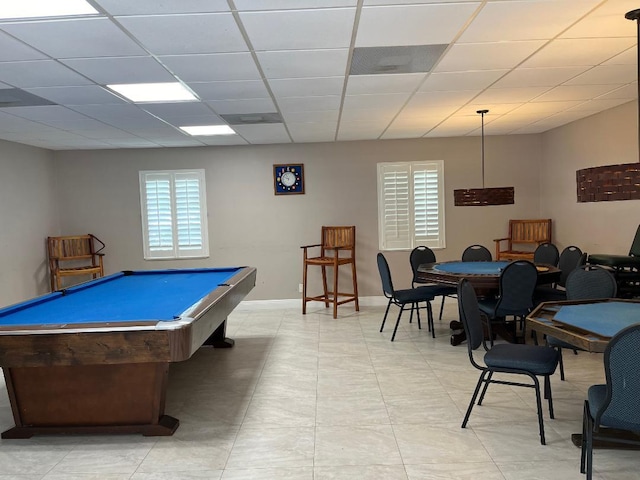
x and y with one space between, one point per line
635 246
517 284
385 276
570 259
546 253
530 231
420 255
339 237
621 408
476 253
72 247
589 282
470 315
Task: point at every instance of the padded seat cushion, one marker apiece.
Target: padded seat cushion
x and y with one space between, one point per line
617 261
531 358
419 294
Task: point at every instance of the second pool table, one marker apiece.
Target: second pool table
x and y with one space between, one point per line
94 358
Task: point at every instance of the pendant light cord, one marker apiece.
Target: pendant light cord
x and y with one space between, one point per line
635 15
482 112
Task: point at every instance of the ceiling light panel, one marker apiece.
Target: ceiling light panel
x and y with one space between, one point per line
45 8
299 29
214 67
154 7
186 34
121 69
303 63
154 92
208 130
500 21
86 37
412 24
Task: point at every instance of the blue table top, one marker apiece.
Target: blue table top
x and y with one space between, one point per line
474 268
154 295
605 319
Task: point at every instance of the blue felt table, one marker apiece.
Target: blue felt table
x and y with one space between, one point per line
605 319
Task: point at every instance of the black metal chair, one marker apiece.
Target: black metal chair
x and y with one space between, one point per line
588 282
615 405
570 259
421 255
518 359
476 253
515 297
546 253
410 297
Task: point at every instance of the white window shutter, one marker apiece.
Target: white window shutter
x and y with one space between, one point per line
394 207
428 205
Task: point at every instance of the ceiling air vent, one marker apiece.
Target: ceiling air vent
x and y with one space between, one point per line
14 97
251 118
389 60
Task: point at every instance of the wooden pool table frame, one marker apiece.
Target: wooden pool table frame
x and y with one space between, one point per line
108 378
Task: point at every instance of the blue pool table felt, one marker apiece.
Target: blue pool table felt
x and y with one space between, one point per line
605 319
154 295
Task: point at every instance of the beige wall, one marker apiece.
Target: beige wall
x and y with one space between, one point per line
28 215
608 138
249 225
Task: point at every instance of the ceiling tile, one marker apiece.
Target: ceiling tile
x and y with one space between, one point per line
39 73
299 29
574 92
598 105
469 80
628 92
412 24
184 34
549 108
178 111
370 84
303 104
230 90
248 5
13 50
85 37
249 105
298 87
154 7
509 95
303 63
85 95
551 18
269 133
539 77
321 116
487 56
605 21
584 51
606 74
214 67
118 70
392 101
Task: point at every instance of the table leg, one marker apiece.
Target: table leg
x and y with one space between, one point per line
218 338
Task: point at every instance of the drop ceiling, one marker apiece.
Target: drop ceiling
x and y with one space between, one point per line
296 71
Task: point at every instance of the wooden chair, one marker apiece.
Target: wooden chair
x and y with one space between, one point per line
338 248
74 255
523 232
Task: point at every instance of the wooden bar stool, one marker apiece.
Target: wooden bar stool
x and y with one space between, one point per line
338 248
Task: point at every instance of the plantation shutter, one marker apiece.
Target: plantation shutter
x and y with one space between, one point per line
394 205
427 193
173 214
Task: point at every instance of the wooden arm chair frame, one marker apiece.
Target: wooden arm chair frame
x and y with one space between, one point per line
526 232
77 250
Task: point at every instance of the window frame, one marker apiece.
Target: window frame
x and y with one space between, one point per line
175 251
410 239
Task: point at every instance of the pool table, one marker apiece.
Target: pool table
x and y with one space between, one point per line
94 358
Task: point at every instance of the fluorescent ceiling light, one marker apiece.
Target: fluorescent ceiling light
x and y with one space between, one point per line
200 130
45 8
154 92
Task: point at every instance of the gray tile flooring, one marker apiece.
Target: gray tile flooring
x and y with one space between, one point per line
313 398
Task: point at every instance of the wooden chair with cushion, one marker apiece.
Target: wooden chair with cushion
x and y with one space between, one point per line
74 255
338 248
527 234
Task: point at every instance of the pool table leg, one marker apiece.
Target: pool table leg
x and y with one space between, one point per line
218 338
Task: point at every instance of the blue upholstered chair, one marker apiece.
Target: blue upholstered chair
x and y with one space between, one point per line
476 253
408 298
615 405
588 282
515 298
570 259
419 256
546 253
518 359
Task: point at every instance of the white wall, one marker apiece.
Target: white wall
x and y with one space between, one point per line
249 225
608 138
28 215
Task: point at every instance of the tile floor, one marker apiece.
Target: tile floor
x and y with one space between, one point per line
313 398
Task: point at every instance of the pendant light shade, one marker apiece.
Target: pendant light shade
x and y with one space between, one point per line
478 197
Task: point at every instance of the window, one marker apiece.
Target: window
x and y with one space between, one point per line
174 214
411 205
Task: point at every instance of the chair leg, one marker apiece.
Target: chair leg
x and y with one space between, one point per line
583 447
441 307
536 385
335 290
417 305
486 385
561 363
432 328
481 379
324 286
547 395
589 460
355 284
397 323
384 319
304 288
